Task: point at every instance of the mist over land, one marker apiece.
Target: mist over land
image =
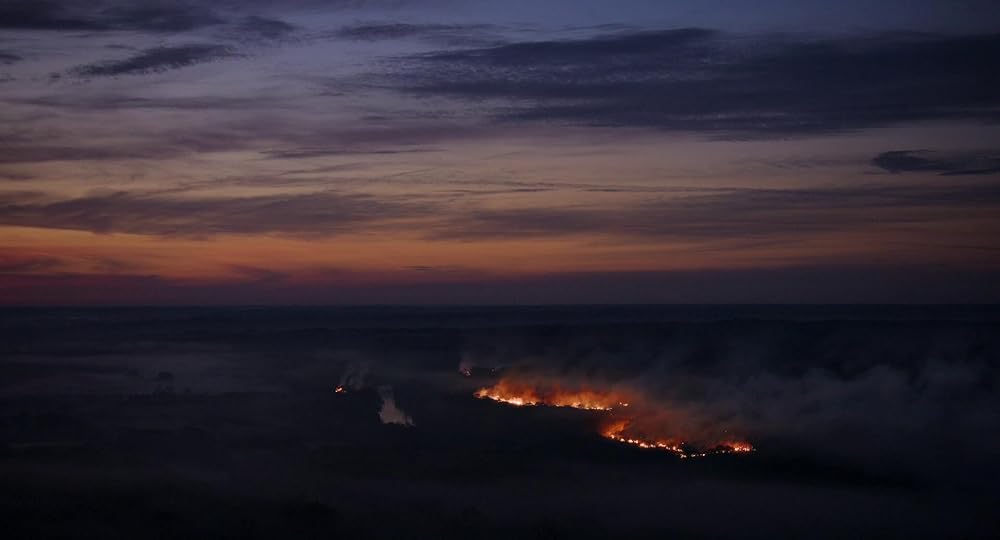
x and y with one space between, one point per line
173 422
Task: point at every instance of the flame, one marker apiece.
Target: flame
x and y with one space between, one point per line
617 430
619 426
554 396
339 390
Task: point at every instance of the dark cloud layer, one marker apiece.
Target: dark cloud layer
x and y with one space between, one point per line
736 213
9 57
255 26
448 34
42 15
158 16
11 264
701 80
37 154
721 215
315 213
158 59
945 164
161 17
152 16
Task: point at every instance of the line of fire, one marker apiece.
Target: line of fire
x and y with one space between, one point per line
624 412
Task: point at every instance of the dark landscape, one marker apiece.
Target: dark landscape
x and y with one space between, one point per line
226 422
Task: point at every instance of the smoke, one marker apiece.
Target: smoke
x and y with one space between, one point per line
907 396
465 366
355 375
390 413
630 411
468 367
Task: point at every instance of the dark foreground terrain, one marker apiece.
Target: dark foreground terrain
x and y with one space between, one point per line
179 423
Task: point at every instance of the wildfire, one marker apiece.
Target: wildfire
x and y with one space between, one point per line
339 390
553 396
616 432
620 421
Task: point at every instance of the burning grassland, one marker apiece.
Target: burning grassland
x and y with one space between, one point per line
619 430
552 395
631 418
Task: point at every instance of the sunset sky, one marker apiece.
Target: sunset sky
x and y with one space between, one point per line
584 151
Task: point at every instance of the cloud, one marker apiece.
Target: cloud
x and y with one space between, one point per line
157 16
259 275
736 213
119 101
9 57
724 215
306 153
37 154
701 80
15 177
161 16
945 164
448 34
314 213
263 28
69 15
13 263
255 126
157 60
43 15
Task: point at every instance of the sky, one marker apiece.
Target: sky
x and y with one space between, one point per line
450 152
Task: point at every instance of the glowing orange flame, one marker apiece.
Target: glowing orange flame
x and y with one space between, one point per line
553 396
615 404
339 390
617 432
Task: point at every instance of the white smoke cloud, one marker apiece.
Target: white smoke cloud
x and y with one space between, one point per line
390 413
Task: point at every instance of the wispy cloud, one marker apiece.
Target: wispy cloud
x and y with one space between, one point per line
14 263
255 27
443 34
323 213
145 15
9 57
706 81
715 215
158 59
737 213
943 163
